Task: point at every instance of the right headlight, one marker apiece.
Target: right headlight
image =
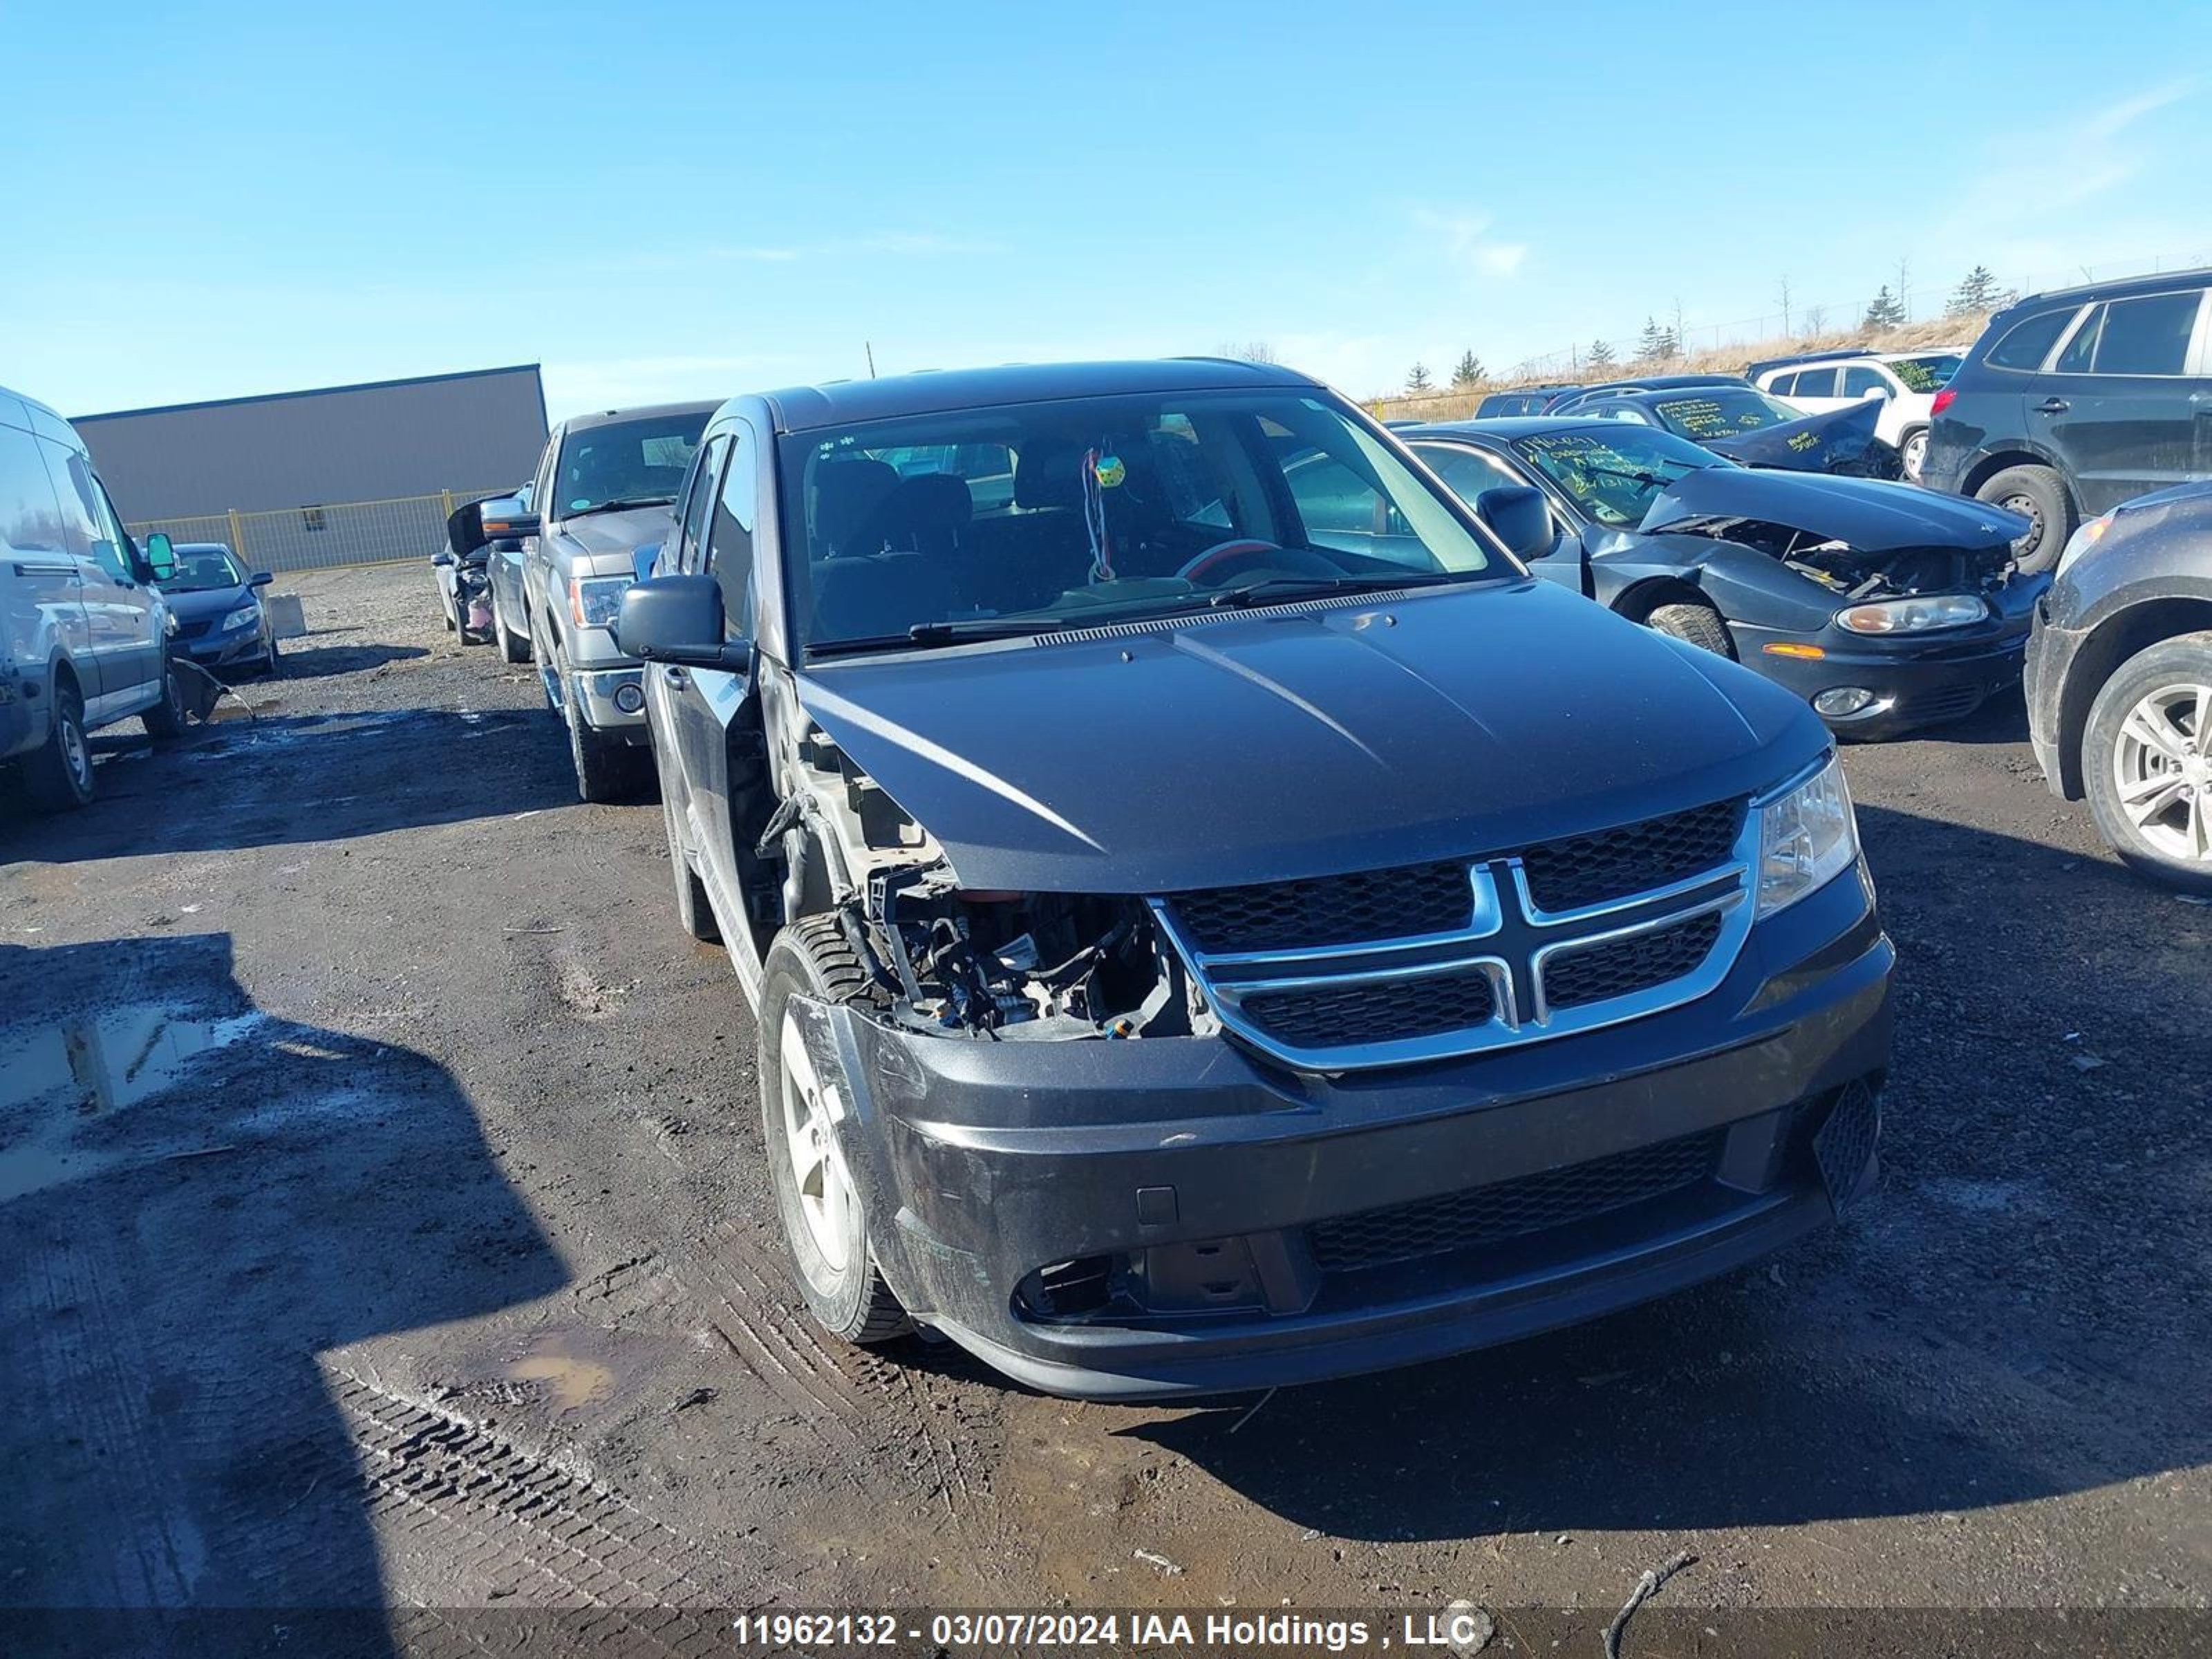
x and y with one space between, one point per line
2080 541
1808 837
1913 616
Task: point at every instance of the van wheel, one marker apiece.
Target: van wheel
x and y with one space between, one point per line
58 775
825 1221
2038 495
692 909
2147 761
1698 624
165 718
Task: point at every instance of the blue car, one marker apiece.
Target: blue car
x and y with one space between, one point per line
221 624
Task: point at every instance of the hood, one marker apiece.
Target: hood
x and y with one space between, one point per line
207 602
1276 744
1869 515
1836 441
605 540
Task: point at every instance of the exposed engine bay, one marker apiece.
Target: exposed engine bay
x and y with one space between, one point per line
1853 574
1006 966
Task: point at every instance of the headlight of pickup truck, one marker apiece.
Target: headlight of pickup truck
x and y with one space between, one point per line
1913 616
1807 837
242 617
593 601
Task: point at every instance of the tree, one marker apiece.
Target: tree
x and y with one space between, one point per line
1252 351
1470 371
1601 355
1785 302
1418 380
1654 343
1883 311
1977 292
1816 320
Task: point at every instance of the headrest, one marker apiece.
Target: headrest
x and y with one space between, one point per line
1048 472
845 493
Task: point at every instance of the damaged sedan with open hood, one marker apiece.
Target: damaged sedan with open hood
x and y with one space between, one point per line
1884 606
1202 937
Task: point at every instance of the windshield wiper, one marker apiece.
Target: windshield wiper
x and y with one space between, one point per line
944 633
620 503
1284 587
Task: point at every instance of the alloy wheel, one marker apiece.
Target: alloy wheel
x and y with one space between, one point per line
817 1167
2162 770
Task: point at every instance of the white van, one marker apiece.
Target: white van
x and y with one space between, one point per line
84 634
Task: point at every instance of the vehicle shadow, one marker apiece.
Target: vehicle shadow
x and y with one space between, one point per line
279 777
197 1200
299 662
2002 1322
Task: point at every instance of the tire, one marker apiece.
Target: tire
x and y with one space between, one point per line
692 909
513 647
2164 691
607 768
1913 450
2040 494
165 718
844 1289
272 662
1698 624
57 774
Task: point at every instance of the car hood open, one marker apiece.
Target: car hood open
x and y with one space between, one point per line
1292 742
1868 514
1835 440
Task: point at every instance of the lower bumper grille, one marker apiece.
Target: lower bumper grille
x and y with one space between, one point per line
1950 703
1842 1145
1513 1209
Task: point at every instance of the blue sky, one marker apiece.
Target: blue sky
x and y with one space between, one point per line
691 200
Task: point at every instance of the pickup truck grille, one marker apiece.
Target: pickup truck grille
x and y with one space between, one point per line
1428 961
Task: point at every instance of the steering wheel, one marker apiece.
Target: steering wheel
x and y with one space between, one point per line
1223 558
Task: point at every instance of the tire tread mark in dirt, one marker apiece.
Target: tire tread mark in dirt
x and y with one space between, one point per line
575 1539
96 1375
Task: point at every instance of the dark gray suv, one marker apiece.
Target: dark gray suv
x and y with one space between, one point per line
1198 942
2076 400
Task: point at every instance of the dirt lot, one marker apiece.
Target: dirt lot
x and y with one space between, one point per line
382 1220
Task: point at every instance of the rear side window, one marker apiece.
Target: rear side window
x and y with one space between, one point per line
30 518
2149 335
2081 347
2029 341
1468 471
1815 383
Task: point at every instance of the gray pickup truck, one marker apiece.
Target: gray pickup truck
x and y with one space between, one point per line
84 633
603 489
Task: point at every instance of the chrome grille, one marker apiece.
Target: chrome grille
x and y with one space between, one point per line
1428 961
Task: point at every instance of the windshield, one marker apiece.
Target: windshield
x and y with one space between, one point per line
630 462
1930 373
202 568
1720 411
1035 516
1615 474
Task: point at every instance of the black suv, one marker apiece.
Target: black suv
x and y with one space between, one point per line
2075 401
1199 938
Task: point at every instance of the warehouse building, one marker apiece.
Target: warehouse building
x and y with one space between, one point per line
343 475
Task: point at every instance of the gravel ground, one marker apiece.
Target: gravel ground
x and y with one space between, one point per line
384 1222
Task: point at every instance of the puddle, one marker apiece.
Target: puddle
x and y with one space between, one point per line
102 1062
568 1382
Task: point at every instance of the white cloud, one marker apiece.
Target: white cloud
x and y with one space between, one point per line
1468 243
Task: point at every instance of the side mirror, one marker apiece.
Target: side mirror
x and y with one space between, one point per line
160 555
441 557
1879 394
642 561
1522 518
676 619
260 578
471 527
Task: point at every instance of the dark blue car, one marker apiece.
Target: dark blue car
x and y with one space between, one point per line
1730 416
221 624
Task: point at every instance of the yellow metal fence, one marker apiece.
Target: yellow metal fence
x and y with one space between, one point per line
321 537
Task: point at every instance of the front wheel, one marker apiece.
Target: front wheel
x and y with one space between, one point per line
825 1219
1698 624
165 718
2147 761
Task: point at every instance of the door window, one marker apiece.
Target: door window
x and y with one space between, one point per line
1815 383
1860 381
2149 335
691 533
1468 471
30 519
82 531
2075 358
730 539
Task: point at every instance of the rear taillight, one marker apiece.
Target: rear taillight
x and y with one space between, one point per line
1942 401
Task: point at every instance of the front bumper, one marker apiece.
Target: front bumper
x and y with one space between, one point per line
1224 1190
2051 650
1916 681
247 646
